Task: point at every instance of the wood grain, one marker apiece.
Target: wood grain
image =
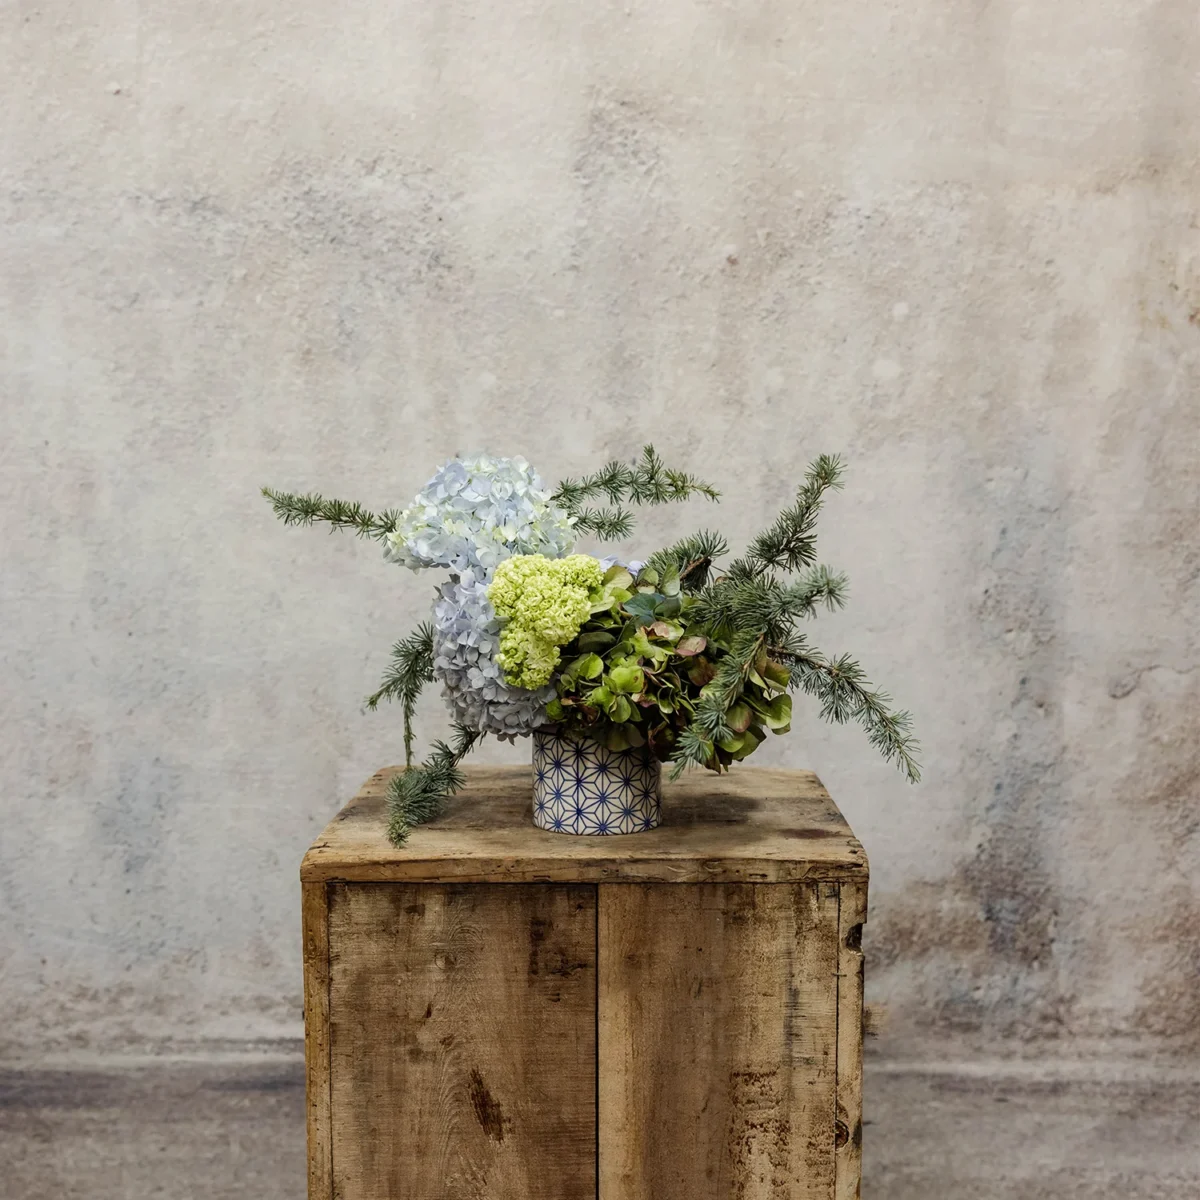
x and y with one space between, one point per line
463 1051
749 826
315 915
718 1041
852 915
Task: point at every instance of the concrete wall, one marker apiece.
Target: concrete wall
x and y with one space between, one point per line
324 246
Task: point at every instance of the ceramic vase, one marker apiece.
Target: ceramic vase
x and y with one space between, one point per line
582 787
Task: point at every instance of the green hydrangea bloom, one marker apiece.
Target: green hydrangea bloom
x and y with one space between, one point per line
543 602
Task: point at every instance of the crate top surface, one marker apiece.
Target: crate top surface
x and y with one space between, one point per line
753 825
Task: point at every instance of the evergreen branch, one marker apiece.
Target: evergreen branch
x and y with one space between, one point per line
691 558
715 608
694 746
691 750
818 586
733 670
608 524
612 482
410 669
293 509
646 481
744 570
846 694
653 482
763 604
418 794
791 541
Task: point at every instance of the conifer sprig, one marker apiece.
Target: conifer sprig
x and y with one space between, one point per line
608 524
755 605
310 509
845 693
418 794
691 559
645 481
408 672
791 541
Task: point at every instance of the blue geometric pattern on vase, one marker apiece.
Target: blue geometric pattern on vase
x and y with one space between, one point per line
580 786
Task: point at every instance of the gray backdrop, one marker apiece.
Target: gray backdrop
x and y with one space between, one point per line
325 246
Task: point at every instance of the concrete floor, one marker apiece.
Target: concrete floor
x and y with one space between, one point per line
225 1131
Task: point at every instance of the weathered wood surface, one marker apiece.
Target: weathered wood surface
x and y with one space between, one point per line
752 825
852 915
718 1041
462 1030
315 915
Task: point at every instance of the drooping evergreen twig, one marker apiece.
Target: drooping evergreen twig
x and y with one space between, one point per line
418 794
846 694
645 481
310 509
408 672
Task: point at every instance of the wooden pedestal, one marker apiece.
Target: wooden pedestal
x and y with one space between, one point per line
495 1012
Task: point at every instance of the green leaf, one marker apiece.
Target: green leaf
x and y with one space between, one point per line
691 645
670 606
610 596
621 710
602 697
701 672
643 647
777 715
648 575
776 674
627 679
587 666
739 717
751 740
642 607
618 577
555 710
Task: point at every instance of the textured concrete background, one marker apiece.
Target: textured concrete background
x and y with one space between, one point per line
325 246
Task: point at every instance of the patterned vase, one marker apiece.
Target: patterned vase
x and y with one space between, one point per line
580 786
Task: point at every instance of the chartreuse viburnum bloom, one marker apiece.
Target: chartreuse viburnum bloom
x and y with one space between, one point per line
543 603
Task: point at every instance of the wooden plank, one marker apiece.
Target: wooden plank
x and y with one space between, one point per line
852 915
463 1042
315 916
717 1041
752 825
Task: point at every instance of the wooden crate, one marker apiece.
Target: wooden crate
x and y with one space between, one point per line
495 1012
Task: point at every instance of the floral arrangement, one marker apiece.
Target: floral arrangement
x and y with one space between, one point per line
688 663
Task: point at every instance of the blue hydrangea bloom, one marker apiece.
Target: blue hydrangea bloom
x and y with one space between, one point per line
466 633
474 513
611 560
477 511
